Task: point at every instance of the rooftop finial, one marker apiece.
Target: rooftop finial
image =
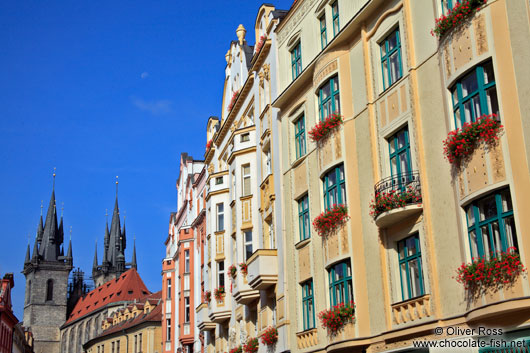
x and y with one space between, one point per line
41 206
54 170
116 186
62 209
70 232
107 214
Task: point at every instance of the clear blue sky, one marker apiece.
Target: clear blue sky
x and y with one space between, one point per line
99 89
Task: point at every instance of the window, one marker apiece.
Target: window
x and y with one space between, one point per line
323 35
334 187
187 309
491 226
49 290
335 15
248 244
218 180
410 267
308 307
268 163
112 349
186 261
391 59
399 153
299 136
296 60
328 98
221 274
220 217
448 5
118 346
303 218
245 137
140 344
340 284
168 329
168 288
475 95
135 344
246 180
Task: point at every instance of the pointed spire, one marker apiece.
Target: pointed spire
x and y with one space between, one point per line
35 251
27 260
133 262
49 247
95 264
69 253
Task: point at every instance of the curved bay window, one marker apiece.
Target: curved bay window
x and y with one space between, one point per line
491 226
334 187
475 95
340 283
328 98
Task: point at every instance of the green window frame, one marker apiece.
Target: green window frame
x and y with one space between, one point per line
299 136
491 224
399 154
391 64
303 218
308 305
410 267
335 187
340 283
296 60
323 32
335 16
329 98
475 95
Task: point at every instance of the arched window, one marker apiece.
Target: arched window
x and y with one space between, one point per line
49 290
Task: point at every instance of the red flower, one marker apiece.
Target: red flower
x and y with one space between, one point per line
329 221
251 346
335 318
233 100
208 296
455 16
270 336
389 200
325 127
244 268
219 293
232 271
259 45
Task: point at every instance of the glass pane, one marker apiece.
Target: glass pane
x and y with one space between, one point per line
385 72
404 162
487 208
467 111
335 84
469 84
339 272
489 76
506 201
414 271
455 96
474 243
336 102
488 248
350 292
336 26
457 118
383 49
401 249
493 104
343 193
402 139
310 313
332 179
509 229
411 246
404 283
393 165
394 67
341 172
477 108
496 237
325 92
470 216
248 237
392 41
306 225
322 23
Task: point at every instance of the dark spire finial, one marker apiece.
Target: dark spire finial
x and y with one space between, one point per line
95 264
54 170
133 262
41 206
116 187
27 259
62 209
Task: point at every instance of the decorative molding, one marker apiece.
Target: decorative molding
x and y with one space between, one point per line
292 22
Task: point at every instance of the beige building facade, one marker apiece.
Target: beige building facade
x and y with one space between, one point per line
400 92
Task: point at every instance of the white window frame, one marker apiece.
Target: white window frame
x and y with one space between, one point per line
220 213
244 177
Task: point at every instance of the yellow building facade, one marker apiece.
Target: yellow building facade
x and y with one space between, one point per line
413 216
135 329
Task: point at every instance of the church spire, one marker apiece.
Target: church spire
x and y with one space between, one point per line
133 262
40 228
35 251
50 245
95 264
27 260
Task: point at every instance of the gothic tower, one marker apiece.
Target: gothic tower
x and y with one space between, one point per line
113 263
46 274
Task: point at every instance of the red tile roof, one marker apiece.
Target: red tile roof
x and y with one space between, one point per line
128 287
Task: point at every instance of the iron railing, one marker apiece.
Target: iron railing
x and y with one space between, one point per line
399 182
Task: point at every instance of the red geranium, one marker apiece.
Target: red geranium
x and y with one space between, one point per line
461 143
389 200
233 100
335 318
251 346
244 268
325 127
232 271
208 296
329 221
270 336
219 293
238 349
456 16
259 45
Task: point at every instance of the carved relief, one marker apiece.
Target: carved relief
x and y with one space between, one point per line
331 67
297 17
393 106
267 71
210 168
476 172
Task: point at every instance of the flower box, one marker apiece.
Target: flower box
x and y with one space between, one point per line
337 317
461 143
209 145
219 293
325 127
270 336
208 296
482 274
259 45
243 268
251 346
329 221
233 100
392 199
238 349
232 271
456 16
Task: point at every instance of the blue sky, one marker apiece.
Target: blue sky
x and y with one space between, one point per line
99 89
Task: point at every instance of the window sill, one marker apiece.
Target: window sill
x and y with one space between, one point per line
298 161
302 243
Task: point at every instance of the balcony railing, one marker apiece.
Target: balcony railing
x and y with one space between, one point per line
396 197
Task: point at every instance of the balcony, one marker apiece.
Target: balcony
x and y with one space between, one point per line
219 310
203 321
243 293
396 198
263 269
411 310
